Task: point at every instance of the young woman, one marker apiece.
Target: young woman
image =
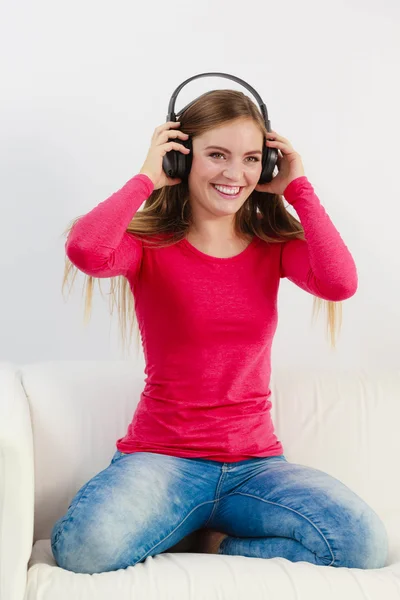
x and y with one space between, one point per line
200 467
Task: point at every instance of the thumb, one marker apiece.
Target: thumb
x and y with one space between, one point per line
262 187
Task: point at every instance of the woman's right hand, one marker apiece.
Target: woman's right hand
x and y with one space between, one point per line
160 145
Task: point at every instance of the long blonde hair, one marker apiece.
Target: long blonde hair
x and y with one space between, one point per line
168 211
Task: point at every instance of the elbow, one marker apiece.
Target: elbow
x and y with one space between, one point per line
347 293
85 256
74 248
346 290
351 286
77 255
86 260
338 291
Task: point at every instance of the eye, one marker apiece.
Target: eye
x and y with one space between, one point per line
256 159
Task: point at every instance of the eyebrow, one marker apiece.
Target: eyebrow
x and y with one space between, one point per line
228 152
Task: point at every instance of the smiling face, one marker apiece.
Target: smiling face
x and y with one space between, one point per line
237 166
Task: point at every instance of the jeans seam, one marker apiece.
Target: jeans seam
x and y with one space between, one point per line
177 527
217 499
65 520
287 508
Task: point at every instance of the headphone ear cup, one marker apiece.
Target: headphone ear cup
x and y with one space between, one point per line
269 160
176 164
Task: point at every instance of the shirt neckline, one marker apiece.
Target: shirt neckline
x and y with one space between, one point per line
218 259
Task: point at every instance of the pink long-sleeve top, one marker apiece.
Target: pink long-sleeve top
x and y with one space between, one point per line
207 324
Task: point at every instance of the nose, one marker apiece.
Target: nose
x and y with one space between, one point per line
233 171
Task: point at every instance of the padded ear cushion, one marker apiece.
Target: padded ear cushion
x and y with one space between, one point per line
269 160
176 164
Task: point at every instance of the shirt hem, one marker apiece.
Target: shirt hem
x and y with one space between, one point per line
227 458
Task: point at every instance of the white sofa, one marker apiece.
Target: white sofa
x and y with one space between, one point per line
58 425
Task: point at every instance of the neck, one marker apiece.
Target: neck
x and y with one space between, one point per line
213 232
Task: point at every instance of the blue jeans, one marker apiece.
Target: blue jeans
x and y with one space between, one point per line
144 503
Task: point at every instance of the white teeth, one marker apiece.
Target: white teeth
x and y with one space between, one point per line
227 190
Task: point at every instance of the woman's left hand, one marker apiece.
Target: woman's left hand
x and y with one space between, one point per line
290 165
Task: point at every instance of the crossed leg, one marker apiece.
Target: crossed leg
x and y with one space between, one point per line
301 514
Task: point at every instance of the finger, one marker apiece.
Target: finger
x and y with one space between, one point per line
175 146
171 181
276 143
286 149
173 134
275 136
168 125
165 126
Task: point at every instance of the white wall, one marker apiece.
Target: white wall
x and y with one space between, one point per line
85 83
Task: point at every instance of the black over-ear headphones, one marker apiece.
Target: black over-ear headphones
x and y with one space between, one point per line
177 165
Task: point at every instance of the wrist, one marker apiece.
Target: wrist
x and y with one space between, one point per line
142 172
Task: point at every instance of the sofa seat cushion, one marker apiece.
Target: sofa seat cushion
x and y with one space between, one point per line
185 576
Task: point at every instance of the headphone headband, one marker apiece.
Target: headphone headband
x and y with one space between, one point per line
171 116
178 165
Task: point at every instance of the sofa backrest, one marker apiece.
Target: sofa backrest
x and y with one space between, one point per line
344 423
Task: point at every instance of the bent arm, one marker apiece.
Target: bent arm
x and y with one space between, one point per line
99 244
321 264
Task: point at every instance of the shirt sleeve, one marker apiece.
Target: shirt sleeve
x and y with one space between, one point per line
322 264
98 244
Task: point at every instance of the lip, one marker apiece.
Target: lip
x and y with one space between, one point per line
226 196
228 185
241 187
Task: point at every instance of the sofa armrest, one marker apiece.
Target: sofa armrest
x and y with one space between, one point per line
16 484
